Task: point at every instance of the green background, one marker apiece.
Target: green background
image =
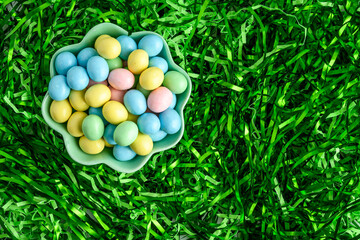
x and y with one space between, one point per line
271 145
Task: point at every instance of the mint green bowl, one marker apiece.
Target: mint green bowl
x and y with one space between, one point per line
106 157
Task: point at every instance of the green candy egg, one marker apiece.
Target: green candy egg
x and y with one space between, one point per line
143 91
126 133
93 127
175 82
114 63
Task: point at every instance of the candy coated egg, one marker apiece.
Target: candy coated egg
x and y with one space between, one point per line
160 63
175 81
77 78
117 95
132 117
159 99
91 147
127 46
138 61
97 95
148 123
58 88
173 102
121 79
122 153
64 61
152 44
114 112
85 54
93 127
74 124
135 102
143 91
108 48
99 39
151 78
142 145
170 121
92 83
107 144
98 112
97 68
158 136
77 100
126 133
109 134
114 63
60 111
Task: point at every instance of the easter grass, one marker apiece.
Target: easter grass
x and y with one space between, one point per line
271 145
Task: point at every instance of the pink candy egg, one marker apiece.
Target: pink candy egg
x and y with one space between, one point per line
159 99
117 95
92 82
121 79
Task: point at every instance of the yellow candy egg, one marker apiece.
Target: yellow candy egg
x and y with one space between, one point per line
138 61
74 124
99 38
132 117
142 145
108 144
91 147
151 78
108 47
77 100
60 111
97 95
115 112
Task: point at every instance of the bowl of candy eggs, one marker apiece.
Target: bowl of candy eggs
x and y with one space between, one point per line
116 99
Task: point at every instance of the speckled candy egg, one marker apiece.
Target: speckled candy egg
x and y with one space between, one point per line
74 124
114 63
85 54
60 111
77 100
117 95
77 78
108 47
148 123
114 112
126 133
175 81
142 145
109 134
58 88
159 99
152 44
127 46
160 63
135 102
122 153
99 39
91 147
151 78
93 127
97 68
121 79
64 61
170 121
138 61
97 95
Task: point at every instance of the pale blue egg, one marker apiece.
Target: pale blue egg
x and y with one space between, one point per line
148 123
77 78
64 61
160 63
173 102
85 54
127 46
109 134
170 121
135 102
58 88
123 153
152 44
158 136
97 68
98 111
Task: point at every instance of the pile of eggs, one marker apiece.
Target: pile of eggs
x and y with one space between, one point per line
118 94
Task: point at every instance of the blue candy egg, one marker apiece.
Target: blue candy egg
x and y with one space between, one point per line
109 134
77 78
58 88
97 68
135 102
158 136
98 111
85 54
64 61
160 63
173 102
123 153
127 46
152 44
170 121
148 123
